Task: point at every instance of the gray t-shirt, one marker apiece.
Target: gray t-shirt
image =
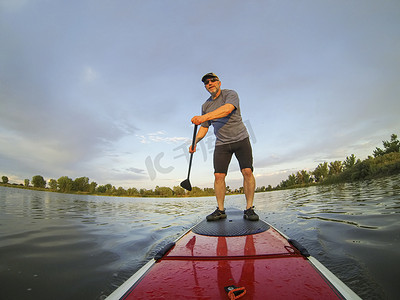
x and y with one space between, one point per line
228 129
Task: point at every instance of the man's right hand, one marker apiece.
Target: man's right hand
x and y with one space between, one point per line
197 120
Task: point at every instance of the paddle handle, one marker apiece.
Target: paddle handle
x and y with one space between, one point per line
194 135
191 154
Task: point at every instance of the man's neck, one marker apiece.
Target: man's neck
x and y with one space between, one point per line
216 95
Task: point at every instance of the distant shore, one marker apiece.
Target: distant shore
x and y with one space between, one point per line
385 162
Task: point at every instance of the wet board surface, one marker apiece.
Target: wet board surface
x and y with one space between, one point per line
232 252
233 225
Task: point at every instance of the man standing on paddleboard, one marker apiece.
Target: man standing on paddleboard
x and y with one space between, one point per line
222 110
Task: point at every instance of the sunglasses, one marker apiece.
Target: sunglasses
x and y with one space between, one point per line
210 80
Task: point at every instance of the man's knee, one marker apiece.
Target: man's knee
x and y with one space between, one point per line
219 177
247 172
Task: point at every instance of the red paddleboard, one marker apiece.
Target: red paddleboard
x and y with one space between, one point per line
233 258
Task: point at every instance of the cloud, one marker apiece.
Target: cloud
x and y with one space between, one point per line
136 170
89 75
159 137
13 5
106 90
57 138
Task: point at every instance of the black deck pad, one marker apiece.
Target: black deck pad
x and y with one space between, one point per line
233 225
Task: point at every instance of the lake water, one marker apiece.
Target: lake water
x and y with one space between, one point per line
58 246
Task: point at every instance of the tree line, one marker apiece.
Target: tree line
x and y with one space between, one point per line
384 162
82 185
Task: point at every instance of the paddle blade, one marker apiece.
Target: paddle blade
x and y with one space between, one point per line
186 185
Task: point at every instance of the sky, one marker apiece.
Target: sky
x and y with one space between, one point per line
106 89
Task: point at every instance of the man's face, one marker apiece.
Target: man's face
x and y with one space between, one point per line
213 85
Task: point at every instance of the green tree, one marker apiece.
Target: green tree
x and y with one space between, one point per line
390 146
113 190
120 191
302 177
92 187
362 170
321 172
260 189
291 181
65 184
4 179
157 190
133 192
81 184
38 181
101 189
53 184
178 190
350 162
109 188
196 191
335 167
163 191
26 182
146 192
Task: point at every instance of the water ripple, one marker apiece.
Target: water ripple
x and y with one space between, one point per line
98 242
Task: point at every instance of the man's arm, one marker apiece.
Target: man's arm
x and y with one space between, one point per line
220 112
200 135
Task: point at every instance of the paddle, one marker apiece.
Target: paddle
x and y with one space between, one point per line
186 183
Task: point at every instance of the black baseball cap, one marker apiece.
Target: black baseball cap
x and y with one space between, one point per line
209 75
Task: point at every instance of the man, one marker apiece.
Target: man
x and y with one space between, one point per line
222 110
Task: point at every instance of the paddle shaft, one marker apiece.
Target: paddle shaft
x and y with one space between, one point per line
191 154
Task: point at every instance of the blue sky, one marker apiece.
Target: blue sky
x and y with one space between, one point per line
106 89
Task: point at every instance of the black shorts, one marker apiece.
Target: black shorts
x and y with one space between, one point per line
223 155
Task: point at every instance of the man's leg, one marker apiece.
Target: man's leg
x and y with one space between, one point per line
222 158
249 186
220 188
